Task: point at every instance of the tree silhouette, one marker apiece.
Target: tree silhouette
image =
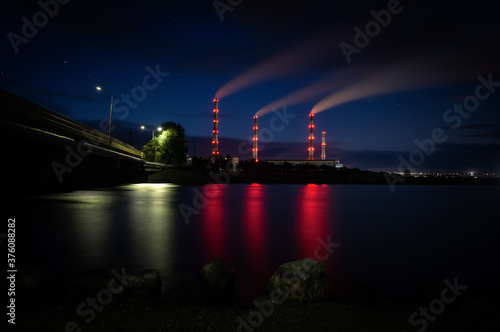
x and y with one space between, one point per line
168 146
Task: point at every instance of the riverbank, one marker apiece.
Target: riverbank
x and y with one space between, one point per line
176 315
90 301
318 176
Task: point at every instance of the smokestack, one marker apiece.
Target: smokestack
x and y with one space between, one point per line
215 141
323 146
255 149
311 136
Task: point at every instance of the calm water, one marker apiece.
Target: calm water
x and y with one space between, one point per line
396 243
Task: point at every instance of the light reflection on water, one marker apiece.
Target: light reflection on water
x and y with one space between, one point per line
255 234
386 239
313 218
151 217
214 222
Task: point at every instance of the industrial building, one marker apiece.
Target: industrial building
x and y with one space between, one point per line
332 163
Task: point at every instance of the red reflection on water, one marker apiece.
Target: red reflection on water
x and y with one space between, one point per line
313 220
255 223
214 223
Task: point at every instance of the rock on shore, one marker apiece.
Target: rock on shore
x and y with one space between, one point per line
217 279
301 280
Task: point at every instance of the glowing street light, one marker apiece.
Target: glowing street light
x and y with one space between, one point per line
110 110
157 129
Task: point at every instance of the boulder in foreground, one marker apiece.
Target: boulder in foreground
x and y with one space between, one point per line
217 279
301 280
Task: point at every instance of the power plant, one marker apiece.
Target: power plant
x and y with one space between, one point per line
255 142
311 136
255 148
215 141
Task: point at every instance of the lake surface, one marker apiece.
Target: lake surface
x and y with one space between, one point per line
398 244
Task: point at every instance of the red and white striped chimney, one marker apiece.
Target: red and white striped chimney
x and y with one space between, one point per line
255 149
215 141
323 146
311 137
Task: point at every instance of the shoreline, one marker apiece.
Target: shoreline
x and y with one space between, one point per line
197 177
53 309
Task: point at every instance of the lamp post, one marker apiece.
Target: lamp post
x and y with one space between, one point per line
159 129
110 110
153 137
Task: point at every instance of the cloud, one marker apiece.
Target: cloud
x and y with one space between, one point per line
424 71
295 59
489 131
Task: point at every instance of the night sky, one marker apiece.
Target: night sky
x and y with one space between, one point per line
389 91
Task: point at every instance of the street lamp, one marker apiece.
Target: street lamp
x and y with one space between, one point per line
154 141
159 129
110 110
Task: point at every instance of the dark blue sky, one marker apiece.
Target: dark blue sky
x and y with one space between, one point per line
425 60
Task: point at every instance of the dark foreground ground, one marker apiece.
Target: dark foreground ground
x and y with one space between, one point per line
177 315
